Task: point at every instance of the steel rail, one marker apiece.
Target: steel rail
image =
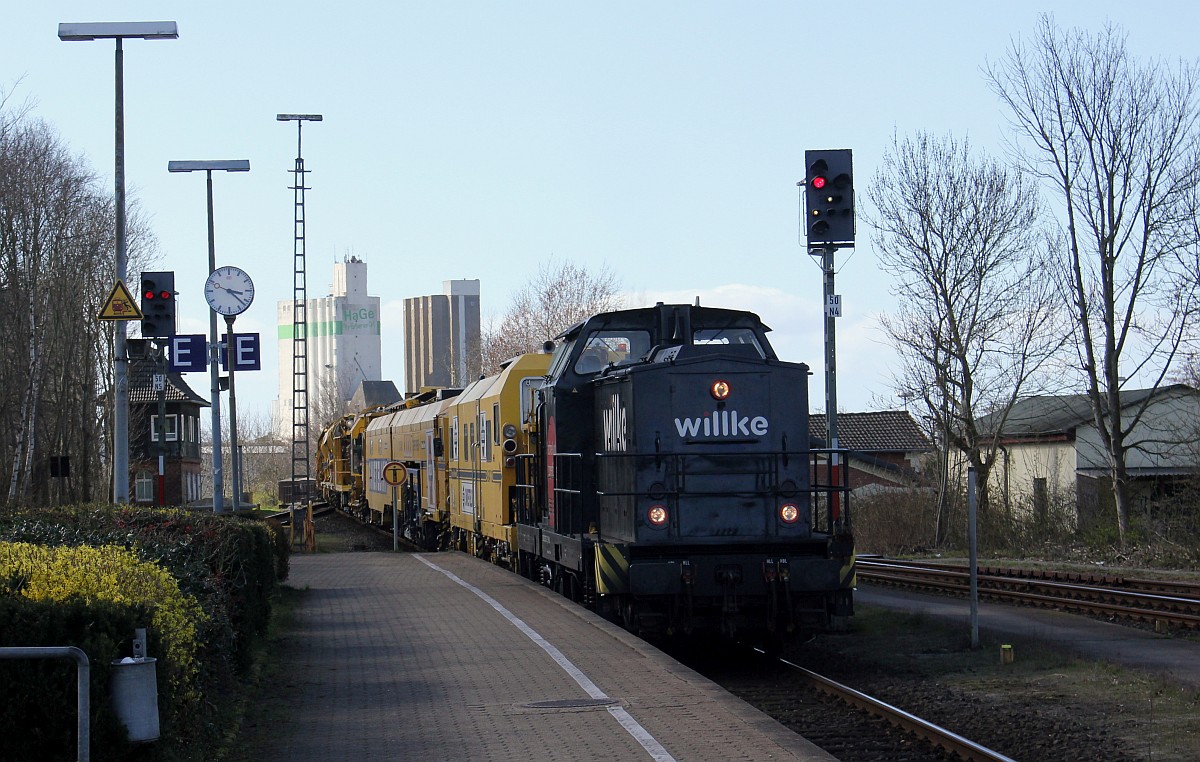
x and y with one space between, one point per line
935 734
1133 604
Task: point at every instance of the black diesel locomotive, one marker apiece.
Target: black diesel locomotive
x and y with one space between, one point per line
660 472
673 481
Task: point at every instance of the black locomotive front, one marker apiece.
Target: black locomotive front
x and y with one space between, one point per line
704 499
677 478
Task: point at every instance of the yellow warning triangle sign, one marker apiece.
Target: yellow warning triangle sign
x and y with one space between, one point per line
120 304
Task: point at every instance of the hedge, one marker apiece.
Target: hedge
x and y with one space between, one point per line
37 713
202 583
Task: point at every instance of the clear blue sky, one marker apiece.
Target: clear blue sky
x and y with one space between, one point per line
479 139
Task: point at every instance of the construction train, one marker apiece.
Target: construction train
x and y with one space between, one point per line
652 464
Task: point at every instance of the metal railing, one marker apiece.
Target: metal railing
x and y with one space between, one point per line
83 672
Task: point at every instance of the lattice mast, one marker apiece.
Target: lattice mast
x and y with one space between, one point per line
301 473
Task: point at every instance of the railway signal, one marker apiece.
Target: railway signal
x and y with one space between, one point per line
158 304
829 196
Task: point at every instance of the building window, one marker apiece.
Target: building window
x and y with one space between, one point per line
143 486
172 428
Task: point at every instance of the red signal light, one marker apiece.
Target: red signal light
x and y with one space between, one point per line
165 294
149 295
818 182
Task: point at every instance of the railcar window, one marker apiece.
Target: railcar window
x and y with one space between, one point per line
604 348
485 438
739 336
454 438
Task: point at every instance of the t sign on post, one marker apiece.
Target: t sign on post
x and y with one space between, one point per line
394 473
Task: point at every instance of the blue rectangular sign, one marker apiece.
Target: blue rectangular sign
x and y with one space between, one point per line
188 353
246 352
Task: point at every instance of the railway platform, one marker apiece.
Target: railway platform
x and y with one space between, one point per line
445 657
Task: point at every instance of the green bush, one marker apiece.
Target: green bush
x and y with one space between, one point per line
37 715
107 573
226 567
231 565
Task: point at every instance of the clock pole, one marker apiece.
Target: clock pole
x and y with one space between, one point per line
208 167
229 291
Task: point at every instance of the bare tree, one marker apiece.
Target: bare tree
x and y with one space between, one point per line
1118 141
265 457
974 325
56 240
558 297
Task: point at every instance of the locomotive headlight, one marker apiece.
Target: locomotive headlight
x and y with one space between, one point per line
510 431
788 513
657 515
720 390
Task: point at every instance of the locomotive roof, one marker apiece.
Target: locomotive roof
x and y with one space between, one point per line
649 316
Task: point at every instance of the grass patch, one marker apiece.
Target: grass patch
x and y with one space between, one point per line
252 737
1146 716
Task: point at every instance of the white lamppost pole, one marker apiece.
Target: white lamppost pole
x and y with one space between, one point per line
146 30
214 366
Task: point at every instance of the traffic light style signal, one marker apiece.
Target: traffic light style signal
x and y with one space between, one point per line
829 196
158 304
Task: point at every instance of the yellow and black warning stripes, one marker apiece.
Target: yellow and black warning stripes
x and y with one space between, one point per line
612 569
848 577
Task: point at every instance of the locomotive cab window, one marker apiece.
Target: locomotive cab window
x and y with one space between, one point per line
604 348
742 337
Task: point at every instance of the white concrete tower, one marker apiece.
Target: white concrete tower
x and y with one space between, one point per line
344 345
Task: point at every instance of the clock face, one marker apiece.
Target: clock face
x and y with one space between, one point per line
229 290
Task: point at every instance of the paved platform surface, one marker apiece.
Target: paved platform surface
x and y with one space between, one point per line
445 657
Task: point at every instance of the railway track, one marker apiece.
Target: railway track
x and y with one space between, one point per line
1160 603
853 726
929 732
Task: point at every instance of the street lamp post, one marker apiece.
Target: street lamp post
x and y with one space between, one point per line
214 366
146 30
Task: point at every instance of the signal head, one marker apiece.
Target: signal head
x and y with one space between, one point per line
829 197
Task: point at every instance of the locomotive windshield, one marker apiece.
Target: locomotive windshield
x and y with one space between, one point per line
736 336
604 348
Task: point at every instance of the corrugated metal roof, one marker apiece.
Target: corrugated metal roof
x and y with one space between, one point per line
1051 415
